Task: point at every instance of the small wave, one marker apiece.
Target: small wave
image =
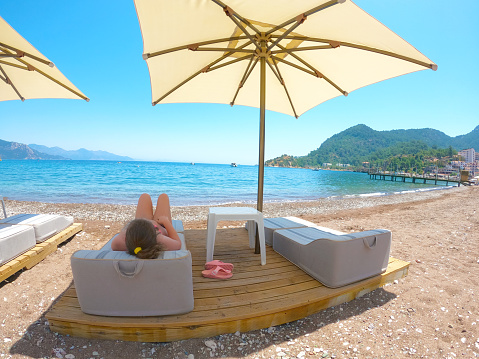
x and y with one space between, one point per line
376 194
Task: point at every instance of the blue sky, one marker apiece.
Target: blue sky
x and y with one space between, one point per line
98 46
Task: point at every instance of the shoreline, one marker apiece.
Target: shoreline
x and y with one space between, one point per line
198 213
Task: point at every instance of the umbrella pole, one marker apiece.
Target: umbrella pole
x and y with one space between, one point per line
262 110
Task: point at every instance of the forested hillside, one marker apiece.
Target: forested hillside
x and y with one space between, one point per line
361 143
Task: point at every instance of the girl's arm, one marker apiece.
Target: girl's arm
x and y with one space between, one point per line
119 242
167 243
172 241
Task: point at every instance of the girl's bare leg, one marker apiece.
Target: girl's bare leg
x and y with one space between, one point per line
163 207
144 208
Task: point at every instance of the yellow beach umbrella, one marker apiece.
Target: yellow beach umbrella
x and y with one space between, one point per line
26 74
280 55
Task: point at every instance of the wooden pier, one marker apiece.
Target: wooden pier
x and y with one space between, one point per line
413 178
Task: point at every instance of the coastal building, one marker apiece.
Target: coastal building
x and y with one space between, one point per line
469 155
457 165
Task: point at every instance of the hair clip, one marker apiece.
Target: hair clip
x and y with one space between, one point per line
137 249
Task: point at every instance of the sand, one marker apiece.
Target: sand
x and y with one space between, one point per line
431 313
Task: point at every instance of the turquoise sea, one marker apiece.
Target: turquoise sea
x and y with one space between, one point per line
186 184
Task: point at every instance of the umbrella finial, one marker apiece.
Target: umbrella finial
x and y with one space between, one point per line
433 67
51 64
145 56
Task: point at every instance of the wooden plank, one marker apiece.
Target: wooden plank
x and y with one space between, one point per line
159 332
38 253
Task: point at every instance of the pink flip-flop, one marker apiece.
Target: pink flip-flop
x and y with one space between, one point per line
217 263
217 273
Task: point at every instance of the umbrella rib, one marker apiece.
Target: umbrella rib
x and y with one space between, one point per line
250 37
231 62
301 49
317 73
9 55
335 43
54 80
299 21
276 73
184 47
33 68
307 13
205 69
241 18
294 65
21 53
13 65
225 49
229 53
9 82
285 88
248 71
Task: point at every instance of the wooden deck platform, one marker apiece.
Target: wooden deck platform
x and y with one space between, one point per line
256 297
35 255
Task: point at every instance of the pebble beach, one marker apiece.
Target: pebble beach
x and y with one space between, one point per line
431 313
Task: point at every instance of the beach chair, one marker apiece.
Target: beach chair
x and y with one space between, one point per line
115 283
273 224
44 225
14 241
335 259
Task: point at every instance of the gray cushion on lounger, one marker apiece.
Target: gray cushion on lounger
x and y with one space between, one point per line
335 260
15 240
115 283
45 225
274 224
178 225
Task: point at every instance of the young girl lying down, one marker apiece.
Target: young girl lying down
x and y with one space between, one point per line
149 233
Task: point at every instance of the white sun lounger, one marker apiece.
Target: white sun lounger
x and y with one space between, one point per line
15 240
44 225
335 259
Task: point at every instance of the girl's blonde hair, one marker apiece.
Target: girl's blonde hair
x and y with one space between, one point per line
141 239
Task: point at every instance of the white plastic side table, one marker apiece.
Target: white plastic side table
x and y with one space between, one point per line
217 214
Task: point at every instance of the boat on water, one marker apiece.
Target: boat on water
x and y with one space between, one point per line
192 163
233 164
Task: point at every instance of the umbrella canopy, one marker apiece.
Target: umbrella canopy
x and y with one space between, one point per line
26 74
281 55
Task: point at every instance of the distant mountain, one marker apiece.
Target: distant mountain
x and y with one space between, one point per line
19 151
356 144
81 154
